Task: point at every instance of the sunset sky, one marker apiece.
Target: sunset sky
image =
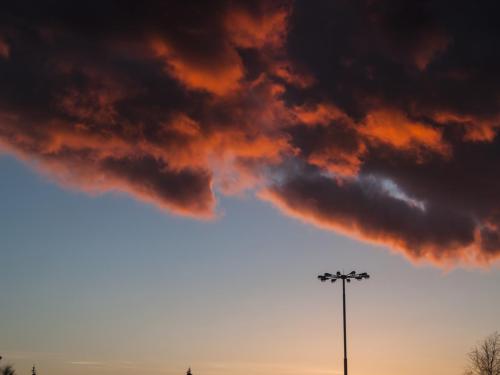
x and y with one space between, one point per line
175 174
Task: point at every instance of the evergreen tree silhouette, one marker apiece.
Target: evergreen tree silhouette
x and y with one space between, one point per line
189 371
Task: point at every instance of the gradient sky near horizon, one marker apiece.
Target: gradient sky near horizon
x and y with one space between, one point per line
175 174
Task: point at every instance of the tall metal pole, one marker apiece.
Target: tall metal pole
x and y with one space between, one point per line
345 330
334 277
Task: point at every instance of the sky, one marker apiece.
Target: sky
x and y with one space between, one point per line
174 176
108 285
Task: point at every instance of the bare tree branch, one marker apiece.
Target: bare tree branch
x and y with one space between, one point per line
484 359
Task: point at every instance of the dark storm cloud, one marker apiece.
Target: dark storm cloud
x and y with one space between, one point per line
142 98
426 74
375 118
373 212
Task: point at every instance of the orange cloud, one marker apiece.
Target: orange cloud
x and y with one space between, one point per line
476 129
319 108
97 164
366 212
219 76
320 114
343 164
101 151
262 28
394 128
290 74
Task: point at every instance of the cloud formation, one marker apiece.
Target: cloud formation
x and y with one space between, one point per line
378 118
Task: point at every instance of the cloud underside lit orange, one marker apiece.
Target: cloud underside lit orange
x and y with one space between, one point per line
371 215
387 133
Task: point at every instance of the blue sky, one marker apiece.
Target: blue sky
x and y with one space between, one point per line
112 284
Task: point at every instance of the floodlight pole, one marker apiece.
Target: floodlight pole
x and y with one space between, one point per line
345 329
343 277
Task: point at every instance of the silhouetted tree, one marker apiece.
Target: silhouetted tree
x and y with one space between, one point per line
484 359
189 371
